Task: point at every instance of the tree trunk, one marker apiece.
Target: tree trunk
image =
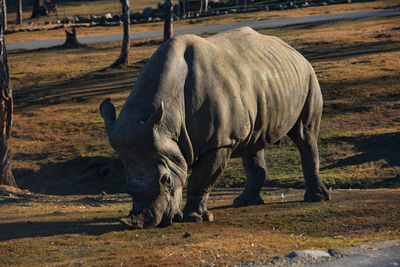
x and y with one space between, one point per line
168 27
4 14
6 112
19 11
38 9
123 58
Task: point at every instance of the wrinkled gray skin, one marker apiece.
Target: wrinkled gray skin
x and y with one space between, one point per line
200 101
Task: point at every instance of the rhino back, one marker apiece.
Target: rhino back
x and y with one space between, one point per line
242 89
237 88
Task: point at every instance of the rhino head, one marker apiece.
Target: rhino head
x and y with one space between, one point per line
155 167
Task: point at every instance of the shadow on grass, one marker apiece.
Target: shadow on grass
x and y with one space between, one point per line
82 175
80 89
324 51
93 175
28 229
336 90
60 48
372 148
266 204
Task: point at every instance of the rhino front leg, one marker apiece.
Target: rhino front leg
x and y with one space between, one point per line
204 174
256 172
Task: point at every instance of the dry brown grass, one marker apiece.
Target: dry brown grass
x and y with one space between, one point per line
84 230
222 19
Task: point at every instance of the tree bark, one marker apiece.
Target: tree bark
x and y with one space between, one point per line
4 14
168 26
71 41
38 9
6 113
123 58
19 11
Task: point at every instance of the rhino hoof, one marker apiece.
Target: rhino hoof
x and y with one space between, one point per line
128 221
207 216
243 201
320 195
192 217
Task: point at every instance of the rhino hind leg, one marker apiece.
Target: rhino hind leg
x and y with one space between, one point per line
204 174
315 189
256 172
305 135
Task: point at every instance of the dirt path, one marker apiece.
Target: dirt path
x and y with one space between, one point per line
383 253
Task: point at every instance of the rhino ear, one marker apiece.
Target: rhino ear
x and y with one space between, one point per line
107 111
156 117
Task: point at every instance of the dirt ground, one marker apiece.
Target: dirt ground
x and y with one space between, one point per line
85 230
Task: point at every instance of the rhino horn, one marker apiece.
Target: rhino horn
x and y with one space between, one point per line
107 111
156 117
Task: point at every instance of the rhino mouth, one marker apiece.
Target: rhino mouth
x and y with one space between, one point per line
136 222
146 219
140 220
147 211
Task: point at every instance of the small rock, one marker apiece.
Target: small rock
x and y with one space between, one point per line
309 254
187 234
108 16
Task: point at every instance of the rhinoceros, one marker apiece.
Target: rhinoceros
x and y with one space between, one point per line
200 101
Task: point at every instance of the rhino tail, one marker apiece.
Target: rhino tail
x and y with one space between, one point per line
107 111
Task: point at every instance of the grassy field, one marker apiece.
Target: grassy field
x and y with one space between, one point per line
60 150
86 8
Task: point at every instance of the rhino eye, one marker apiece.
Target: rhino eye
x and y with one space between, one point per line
166 180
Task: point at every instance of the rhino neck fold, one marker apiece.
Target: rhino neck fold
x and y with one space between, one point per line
185 146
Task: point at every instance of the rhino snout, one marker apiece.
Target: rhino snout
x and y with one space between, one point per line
134 221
